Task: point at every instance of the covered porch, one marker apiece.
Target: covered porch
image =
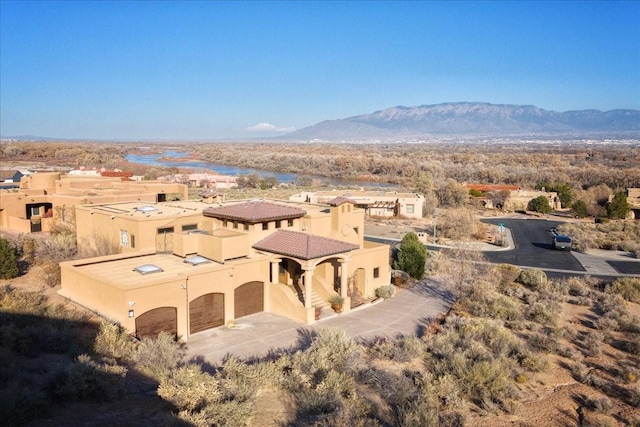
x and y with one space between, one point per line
306 270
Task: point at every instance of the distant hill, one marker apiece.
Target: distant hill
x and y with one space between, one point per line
470 118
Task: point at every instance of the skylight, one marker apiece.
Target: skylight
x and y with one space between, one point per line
197 260
148 269
198 232
146 209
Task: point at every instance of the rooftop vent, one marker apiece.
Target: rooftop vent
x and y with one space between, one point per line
148 269
197 260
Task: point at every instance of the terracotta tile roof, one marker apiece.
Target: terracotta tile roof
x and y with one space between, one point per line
340 201
302 245
254 212
491 187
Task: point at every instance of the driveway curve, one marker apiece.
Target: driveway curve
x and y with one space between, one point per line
257 336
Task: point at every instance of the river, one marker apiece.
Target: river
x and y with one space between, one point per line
157 159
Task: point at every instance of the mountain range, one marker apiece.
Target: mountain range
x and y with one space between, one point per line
470 118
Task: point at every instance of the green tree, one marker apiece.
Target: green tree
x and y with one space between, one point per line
412 256
8 260
618 207
539 204
579 209
563 190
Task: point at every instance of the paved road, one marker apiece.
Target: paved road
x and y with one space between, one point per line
532 238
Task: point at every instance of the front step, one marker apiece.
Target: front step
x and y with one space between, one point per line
316 300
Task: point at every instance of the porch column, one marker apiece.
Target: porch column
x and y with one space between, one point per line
344 276
275 271
308 289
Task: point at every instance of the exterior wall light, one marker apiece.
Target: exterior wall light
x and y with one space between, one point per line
131 314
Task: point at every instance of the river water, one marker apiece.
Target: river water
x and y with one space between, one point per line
161 160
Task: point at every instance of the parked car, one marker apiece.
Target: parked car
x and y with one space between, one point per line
561 242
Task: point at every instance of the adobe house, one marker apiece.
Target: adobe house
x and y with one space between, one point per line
196 266
41 196
375 203
633 198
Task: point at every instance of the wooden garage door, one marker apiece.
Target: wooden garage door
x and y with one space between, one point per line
206 312
151 323
249 299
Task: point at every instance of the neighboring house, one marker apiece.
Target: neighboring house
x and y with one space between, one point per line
375 203
633 198
33 206
519 200
514 197
197 266
10 176
203 180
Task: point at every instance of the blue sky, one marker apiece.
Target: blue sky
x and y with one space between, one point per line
215 70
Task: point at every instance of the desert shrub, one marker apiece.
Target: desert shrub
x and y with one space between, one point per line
533 361
533 278
386 291
22 402
411 256
86 379
459 224
547 341
113 341
189 389
8 260
158 355
239 381
479 354
627 287
593 343
544 312
601 404
506 274
633 345
330 350
629 374
606 324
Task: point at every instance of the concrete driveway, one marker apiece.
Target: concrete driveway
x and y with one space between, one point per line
258 335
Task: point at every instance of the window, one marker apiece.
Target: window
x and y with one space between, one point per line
35 210
165 230
224 222
376 272
356 229
289 223
410 209
265 225
246 227
235 224
188 227
124 238
133 241
348 208
278 224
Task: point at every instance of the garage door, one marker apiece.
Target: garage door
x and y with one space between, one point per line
206 312
249 299
151 323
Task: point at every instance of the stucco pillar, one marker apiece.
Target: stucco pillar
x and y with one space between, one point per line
344 277
275 271
308 289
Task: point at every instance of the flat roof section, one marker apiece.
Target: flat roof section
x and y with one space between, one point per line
121 273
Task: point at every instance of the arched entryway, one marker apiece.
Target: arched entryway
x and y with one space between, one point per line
153 322
206 312
248 299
